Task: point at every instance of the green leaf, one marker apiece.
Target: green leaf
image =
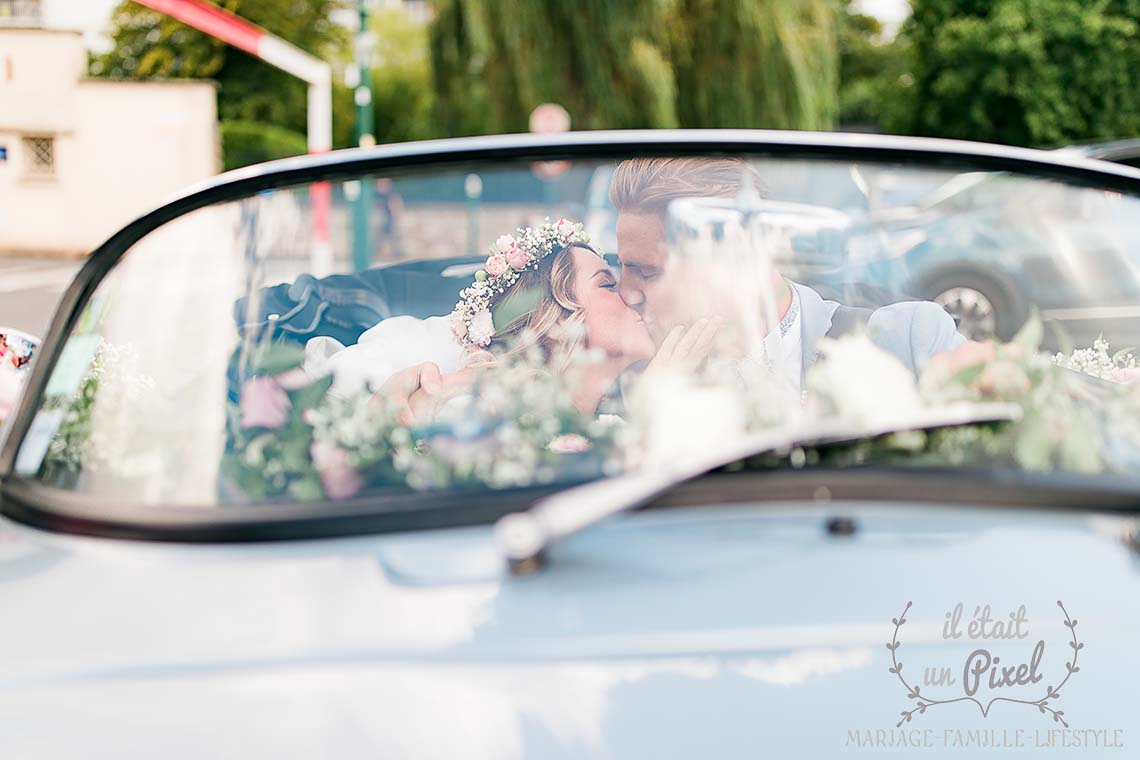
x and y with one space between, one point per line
1031 333
308 488
1031 447
1078 451
310 396
269 358
1119 355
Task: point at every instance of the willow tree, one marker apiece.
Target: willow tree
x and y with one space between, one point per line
604 60
637 63
756 63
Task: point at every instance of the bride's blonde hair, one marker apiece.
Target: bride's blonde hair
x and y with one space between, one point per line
551 325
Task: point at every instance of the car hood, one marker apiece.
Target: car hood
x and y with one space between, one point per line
731 632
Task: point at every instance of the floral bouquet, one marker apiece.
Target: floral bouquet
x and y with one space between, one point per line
515 426
16 350
112 384
1078 410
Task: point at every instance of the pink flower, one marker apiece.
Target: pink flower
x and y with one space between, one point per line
1126 375
496 266
263 403
505 243
339 478
566 228
569 443
518 258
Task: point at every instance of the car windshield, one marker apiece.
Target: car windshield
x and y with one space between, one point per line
503 324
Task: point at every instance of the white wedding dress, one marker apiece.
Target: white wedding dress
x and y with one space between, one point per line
384 349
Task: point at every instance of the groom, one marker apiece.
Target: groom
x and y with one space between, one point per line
641 190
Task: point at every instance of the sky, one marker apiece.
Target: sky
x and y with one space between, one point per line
91 16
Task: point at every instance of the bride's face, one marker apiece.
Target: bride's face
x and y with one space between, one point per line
610 325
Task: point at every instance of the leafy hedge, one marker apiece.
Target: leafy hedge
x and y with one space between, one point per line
251 142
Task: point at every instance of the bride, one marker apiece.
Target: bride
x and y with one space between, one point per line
545 286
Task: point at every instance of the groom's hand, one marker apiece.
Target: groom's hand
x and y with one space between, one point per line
686 347
413 390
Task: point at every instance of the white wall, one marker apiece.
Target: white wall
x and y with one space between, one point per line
121 148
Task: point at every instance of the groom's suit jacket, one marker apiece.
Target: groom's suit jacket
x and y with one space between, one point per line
911 330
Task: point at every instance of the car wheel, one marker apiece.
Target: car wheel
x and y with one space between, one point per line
982 308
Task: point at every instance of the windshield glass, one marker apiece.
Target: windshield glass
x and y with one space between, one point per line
498 325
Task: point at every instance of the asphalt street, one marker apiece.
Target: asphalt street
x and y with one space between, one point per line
30 289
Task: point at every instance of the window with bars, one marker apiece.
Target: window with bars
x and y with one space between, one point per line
39 156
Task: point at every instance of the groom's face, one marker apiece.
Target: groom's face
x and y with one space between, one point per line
648 285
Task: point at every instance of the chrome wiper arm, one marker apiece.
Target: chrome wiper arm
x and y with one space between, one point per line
525 537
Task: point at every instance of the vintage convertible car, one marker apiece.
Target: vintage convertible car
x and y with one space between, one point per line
492 491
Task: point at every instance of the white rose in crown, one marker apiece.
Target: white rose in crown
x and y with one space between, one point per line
482 328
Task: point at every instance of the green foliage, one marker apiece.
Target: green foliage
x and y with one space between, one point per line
605 62
402 96
251 142
755 63
1023 72
872 69
636 63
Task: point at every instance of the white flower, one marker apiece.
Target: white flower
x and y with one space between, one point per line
863 381
679 419
482 328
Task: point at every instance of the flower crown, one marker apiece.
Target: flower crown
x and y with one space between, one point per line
472 323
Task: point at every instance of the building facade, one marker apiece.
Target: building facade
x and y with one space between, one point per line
80 157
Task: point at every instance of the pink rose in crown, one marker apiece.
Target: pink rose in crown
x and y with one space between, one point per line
263 403
339 478
518 258
565 228
505 243
496 266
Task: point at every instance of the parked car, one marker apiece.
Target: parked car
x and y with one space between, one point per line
989 277
679 499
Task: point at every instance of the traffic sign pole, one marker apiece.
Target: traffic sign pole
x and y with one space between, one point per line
362 244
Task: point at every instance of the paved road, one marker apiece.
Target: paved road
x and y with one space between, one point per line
30 289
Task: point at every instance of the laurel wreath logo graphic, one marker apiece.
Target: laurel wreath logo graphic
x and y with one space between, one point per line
923 702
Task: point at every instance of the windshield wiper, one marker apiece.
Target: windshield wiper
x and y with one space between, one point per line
525 537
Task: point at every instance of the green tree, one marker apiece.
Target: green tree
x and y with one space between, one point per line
1023 72
755 63
605 61
402 96
151 45
636 63
872 71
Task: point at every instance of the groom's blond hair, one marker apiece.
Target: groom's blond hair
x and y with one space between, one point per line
649 185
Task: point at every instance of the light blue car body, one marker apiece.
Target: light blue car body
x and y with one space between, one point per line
715 632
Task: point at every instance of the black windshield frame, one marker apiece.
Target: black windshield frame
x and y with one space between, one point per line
49 507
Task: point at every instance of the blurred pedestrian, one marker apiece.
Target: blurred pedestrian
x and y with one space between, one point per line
390 206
